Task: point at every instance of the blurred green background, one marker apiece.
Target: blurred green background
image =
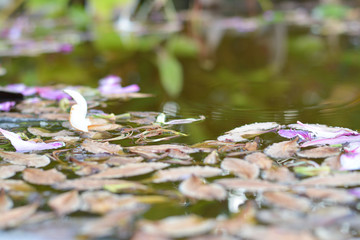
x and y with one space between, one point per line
235 62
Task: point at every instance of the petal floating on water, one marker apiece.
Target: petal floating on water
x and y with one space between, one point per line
27 146
78 111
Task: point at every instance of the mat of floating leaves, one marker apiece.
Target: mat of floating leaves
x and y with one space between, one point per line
118 176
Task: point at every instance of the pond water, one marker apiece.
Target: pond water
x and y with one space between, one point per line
232 71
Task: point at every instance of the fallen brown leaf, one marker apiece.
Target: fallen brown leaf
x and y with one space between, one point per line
129 170
181 173
212 158
122 160
287 200
99 147
260 159
29 160
7 171
65 203
44 133
194 187
329 195
43 177
320 152
240 168
5 202
250 185
335 180
279 174
178 226
282 150
16 216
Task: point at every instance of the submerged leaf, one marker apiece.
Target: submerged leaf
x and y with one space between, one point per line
194 187
27 146
240 168
178 226
282 150
181 173
43 177
241 134
29 160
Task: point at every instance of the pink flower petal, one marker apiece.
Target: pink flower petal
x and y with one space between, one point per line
21 88
332 141
6 106
51 94
291 133
27 146
111 85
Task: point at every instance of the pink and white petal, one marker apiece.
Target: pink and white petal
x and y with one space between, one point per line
332 141
27 146
350 161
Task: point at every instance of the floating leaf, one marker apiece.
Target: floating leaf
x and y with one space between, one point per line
329 195
43 177
212 158
240 168
16 216
194 187
178 226
288 201
250 185
116 219
282 150
78 112
15 185
98 147
279 174
181 173
8 171
122 160
340 179
129 170
27 146
259 159
319 152
312 171
274 232
5 202
121 187
44 133
241 134
29 160
103 201
65 203
93 184
184 121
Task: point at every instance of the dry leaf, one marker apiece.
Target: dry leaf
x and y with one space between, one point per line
104 127
99 147
332 162
178 226
240 134
44 133
259 159
29 160
250 185
5 202
129 170
16 216
67 139
320 152
329 195
65 203
43 177
122 160
282 150
103 201
240 168
273 233
163 148
212 158
106 225
335 180
279 174
7 171
15 185
288 201
181 173
194 187
95 184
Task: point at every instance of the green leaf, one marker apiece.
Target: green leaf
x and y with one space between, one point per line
171 73
311 171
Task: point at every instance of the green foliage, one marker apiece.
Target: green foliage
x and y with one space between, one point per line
104 9
171 73
333 11
182 46
79 16
48 8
